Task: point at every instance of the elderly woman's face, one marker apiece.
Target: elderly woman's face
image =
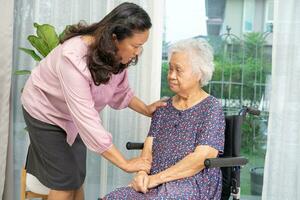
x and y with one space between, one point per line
180 75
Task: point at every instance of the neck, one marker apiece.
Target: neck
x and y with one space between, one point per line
88 39
184 101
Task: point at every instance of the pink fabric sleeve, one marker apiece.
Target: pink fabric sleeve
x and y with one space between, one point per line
77 94
123 93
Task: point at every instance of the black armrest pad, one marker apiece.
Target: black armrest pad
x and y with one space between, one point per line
225 162
134 145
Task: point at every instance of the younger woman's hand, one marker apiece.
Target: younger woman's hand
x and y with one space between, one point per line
137 164
157 104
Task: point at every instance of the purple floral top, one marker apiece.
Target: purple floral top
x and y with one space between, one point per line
176 134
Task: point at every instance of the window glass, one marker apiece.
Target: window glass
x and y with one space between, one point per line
242 74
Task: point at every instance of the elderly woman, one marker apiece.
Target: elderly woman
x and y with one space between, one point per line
183 134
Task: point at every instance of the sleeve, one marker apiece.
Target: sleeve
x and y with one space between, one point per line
156 124
212 130
77 93
123 93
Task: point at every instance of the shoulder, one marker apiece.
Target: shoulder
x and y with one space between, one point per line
212 105
74 51
215 102
164 111
75 44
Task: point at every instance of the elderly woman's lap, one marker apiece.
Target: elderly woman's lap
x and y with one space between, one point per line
163 192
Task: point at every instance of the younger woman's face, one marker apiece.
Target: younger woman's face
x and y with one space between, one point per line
131 47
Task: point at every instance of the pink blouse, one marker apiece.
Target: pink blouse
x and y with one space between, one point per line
60 91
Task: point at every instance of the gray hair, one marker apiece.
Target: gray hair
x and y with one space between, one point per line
200 55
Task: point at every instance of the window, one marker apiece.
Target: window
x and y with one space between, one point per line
242 68
269 15
249 11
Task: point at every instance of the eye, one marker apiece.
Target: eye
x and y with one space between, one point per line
136 46
178 70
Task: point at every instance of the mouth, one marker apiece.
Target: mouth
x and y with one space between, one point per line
172 84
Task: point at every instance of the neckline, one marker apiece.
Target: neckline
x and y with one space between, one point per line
190 108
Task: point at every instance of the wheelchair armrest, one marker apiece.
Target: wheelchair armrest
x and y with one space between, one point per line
225 162
134 145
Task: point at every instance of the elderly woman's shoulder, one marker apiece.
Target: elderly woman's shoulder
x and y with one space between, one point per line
215 100
215 103
161 110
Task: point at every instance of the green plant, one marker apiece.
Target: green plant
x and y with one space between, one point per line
43 42
165 91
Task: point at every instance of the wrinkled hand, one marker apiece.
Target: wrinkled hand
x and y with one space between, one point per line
157 104
137 164
140 182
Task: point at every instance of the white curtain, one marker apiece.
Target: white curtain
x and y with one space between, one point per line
282 165
144 78
6 32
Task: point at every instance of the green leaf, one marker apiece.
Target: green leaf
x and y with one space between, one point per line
40 45
31 53
22 72
62 34
47 33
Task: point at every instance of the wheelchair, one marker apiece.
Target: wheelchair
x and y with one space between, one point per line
230 161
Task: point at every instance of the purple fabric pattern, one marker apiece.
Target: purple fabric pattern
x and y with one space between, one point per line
176 134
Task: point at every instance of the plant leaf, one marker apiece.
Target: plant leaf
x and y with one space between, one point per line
47 33
22 72
31 53
39 44
62 34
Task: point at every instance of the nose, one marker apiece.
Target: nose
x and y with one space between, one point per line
172 75
139 51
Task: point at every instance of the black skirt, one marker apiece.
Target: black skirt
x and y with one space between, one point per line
51 159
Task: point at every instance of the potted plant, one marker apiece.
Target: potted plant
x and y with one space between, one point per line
43 42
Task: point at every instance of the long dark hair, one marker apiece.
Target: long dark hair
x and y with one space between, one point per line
123 21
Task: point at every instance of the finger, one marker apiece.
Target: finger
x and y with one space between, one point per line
133 186
140 185
146 169
145 184
161 104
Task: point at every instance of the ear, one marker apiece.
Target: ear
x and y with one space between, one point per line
114 37
199 76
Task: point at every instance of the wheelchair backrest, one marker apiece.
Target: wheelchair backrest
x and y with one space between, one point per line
233 131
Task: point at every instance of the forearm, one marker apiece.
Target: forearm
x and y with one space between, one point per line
187 167
147 150
115 157
137 105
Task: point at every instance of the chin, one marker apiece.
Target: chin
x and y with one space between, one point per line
173 89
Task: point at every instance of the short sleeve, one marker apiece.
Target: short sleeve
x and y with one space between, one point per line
123 93
155 123
212 130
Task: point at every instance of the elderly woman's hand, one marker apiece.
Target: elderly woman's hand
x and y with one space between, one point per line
140 182
137 164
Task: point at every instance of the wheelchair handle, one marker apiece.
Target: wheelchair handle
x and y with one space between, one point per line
225 162
134 145
249 110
